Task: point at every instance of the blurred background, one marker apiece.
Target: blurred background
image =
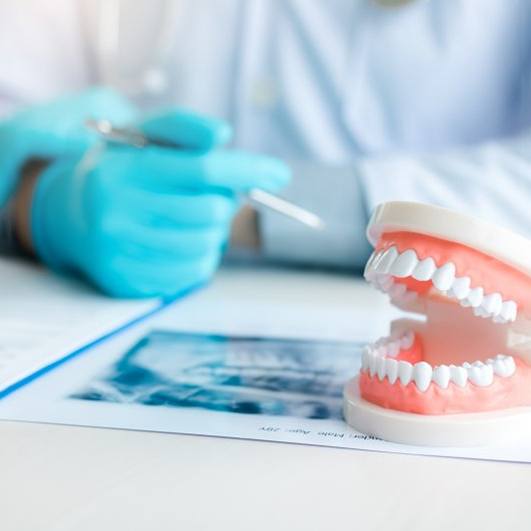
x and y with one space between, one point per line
363 101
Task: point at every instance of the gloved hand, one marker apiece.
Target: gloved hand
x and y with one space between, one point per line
56 128
152 221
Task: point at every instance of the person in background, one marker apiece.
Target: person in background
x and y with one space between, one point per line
339 105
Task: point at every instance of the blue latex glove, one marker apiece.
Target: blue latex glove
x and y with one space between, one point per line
53 129
152 221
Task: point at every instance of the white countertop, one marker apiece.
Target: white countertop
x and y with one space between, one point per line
70 478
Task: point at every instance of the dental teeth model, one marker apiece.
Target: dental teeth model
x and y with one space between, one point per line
462 374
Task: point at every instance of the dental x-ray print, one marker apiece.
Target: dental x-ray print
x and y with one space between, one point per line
242 375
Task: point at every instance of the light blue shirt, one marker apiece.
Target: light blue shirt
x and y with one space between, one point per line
427 100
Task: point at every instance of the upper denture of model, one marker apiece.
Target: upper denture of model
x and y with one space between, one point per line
467 356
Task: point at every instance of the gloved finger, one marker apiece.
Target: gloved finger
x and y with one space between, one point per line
150 243
238 171
59 126
182 209
187 129
131 277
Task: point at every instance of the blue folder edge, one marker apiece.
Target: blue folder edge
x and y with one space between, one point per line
40 372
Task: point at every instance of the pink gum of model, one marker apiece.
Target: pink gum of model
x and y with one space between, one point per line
441 345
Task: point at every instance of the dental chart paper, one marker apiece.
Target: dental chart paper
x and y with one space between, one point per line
258 355
44 318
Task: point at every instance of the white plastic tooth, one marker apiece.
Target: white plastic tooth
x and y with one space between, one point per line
371 278
408 297
510 365
504 366
387 260
404 265
508 311
492 304
499 319
397 290
405 372
481 312
444 277
499 368
391 369
460 288
458 375
475 297
480 374
385 282
406 341
381 351
441 376
380 367
372 365
422 373
365 357
424 269
375 256
393 349
370 269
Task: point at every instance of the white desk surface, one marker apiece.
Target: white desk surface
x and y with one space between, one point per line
59 478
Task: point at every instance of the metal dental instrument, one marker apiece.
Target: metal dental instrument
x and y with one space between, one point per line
135 138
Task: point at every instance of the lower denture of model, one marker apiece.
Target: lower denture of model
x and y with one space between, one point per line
472 352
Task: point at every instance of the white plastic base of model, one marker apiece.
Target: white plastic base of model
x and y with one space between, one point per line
466 429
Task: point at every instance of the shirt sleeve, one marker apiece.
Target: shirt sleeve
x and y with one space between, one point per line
491 181
335 195
43 52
